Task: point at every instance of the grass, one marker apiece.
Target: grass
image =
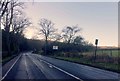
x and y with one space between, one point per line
113 53
101 65
106 59
6 59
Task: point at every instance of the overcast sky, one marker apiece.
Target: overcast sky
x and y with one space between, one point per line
97 19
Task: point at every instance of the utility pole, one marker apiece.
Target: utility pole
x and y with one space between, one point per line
96 43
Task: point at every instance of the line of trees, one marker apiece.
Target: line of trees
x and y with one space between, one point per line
13 22
68 41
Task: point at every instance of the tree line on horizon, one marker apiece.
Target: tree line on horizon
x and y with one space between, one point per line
68 40
14 22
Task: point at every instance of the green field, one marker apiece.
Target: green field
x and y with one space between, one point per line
113 53
106 59
102 65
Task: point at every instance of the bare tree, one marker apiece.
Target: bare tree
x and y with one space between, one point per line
3 7
78 40
56 37
47 29
7 11
69 33
19 24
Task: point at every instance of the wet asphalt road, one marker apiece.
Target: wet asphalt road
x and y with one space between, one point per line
36 67
30 67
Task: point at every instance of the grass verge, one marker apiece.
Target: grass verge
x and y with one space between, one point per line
106 66
6 59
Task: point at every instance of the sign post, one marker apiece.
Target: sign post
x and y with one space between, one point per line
55 48
96 43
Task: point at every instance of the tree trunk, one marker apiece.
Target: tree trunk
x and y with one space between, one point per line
46 44
7 29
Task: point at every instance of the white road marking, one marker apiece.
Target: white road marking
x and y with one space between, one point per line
10 68
36 64
62 70
50 66
26 68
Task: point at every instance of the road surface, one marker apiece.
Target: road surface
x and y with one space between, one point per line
30 66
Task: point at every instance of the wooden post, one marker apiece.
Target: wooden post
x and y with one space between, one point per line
96 43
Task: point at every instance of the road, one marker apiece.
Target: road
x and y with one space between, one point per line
30 66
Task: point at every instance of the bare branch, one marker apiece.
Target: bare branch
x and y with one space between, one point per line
69 33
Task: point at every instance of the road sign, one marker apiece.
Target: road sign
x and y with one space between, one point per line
96 42
55 47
